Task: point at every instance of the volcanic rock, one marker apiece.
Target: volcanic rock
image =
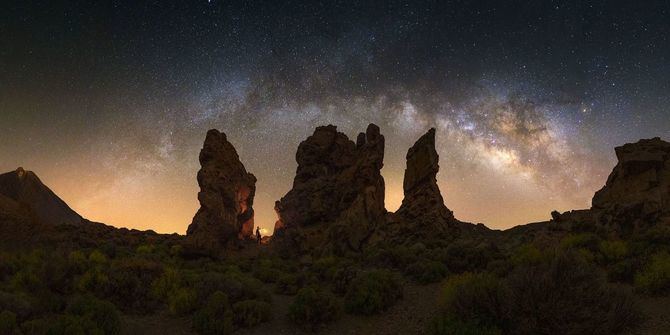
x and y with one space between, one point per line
638 188
226 196
422 206
23 190
338 189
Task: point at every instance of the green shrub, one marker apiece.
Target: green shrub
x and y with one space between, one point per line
249 313
449 326
97 258
131 280
476 299
216 317
613 251
581 241
426 271
8 324
526 254
182 301
373 292
567 295
312 307
170 281
93 281
655 278
102 314
236 285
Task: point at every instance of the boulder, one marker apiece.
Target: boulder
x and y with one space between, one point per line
226 196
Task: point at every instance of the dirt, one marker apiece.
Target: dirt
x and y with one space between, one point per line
657 317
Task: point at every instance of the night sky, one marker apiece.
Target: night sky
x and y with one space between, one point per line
109 101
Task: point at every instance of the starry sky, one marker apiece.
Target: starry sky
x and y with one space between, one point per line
109 101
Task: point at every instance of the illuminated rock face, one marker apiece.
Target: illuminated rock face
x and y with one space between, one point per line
337 199
226 196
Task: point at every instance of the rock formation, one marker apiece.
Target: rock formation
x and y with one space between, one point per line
423 206
338 183
638 189
24 189
226 196
636 194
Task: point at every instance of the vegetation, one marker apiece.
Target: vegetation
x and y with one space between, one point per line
373 292
582 282
313 307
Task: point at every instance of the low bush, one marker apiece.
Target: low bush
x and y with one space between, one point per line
182 301
655 278
426 271
312 307
476 299
287 284
567 295
613 251
216 317
102 313
249 313
562 294
373 292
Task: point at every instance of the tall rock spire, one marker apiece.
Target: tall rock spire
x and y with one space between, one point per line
423 203
226 196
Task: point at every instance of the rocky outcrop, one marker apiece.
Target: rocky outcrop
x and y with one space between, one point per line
338 191
422 206
21 188
226 196
636 194
638 189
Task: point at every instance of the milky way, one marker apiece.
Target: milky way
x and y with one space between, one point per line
110 104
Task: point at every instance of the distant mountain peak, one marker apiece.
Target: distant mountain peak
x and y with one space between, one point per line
24 188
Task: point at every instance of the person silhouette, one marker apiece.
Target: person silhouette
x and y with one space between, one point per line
258 234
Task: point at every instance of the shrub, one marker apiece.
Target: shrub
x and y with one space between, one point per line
526 254
566 295
102 314
287 284
372 292
426 271
131 280
8 323
655 278
613 251
182 301
581 241
476 299
449 326
236 285
249 313
216 317
312 307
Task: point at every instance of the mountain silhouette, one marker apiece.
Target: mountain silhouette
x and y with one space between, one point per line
22 192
